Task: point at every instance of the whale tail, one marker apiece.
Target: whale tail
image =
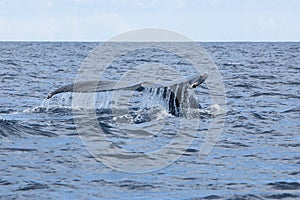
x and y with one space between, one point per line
177 88
102 86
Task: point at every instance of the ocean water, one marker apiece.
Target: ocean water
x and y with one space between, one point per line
257 155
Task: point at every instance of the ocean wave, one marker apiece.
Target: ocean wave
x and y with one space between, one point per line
10 128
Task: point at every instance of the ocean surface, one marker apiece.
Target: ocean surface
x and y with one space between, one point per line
257 155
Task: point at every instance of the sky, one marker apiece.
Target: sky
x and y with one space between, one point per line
100 20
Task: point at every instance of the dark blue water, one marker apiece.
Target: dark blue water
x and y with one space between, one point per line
256 157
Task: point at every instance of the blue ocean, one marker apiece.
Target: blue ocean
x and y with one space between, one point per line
256 156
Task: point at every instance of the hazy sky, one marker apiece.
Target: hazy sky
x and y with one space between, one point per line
201 20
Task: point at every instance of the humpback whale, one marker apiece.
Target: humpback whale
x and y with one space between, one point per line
177 95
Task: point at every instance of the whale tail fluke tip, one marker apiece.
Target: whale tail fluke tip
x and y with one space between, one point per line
49 95
201 79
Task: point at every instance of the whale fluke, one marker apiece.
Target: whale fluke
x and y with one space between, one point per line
102 86
177 95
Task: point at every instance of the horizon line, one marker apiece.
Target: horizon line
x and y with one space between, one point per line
204 41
